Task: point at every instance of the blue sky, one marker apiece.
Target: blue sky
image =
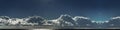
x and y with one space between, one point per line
95 9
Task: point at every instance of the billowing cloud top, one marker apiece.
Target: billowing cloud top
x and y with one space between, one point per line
63 20
37 20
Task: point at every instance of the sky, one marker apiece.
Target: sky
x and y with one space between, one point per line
95 9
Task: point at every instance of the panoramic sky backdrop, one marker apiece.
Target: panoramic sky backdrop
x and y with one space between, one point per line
94 9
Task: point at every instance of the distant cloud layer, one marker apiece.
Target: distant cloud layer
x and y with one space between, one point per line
63 20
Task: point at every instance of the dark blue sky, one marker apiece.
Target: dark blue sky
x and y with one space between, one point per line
95 9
